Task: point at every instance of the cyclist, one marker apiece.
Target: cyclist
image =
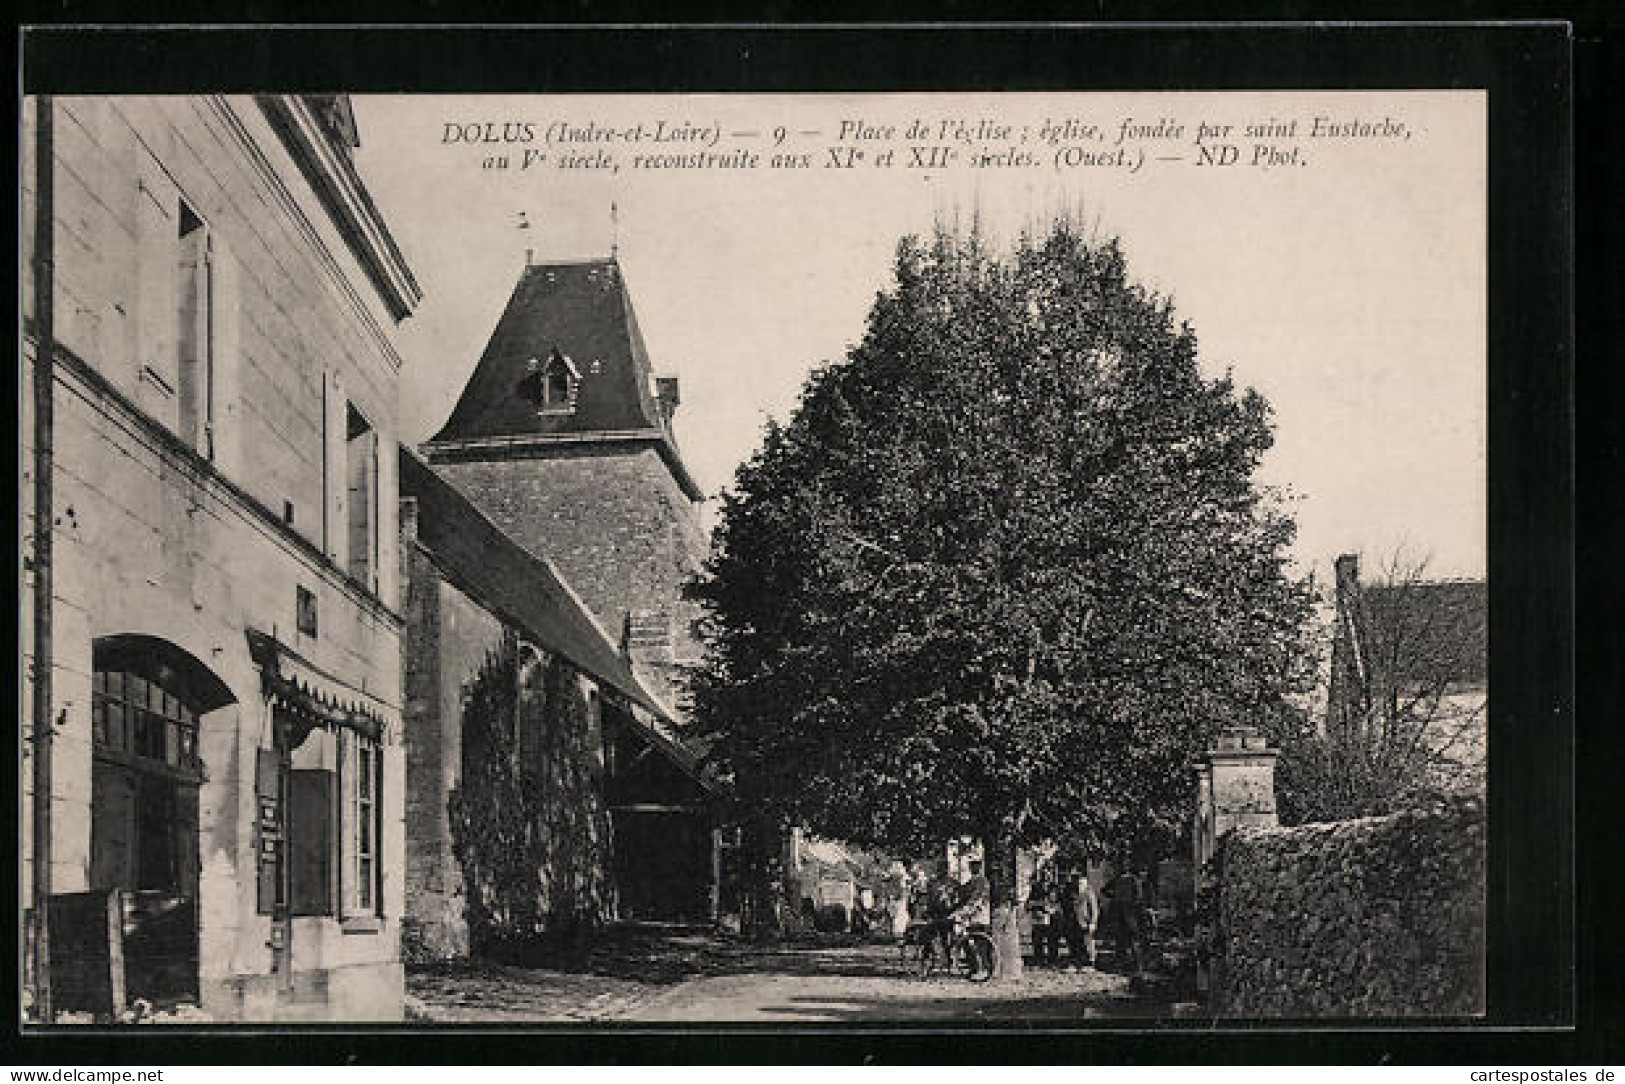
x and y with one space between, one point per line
975 901
941 902
975 908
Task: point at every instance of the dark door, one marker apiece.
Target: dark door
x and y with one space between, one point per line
144 842
663 865
145 775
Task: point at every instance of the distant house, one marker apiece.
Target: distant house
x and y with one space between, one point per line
534 752
1409 669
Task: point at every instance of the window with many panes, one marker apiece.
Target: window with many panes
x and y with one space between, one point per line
134 717
363 777
365 815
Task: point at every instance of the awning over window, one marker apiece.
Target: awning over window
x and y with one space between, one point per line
312 698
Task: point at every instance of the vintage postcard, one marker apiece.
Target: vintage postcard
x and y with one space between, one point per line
936 558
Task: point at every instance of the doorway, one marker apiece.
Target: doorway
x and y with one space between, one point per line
146 773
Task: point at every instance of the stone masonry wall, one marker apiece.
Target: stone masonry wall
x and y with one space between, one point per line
447 637
619 529
1368 918
504 770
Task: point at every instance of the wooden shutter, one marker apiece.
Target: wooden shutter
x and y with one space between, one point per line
388 513
226 410
335 410
378 852
193 333
310 841
344 761
87 952
157 203
361 472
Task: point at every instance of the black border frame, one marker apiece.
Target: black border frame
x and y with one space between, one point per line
1533 968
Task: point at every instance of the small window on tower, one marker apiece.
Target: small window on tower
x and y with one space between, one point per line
551 385
558 384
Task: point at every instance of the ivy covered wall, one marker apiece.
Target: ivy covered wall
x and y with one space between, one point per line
1377 917
509 836
529 827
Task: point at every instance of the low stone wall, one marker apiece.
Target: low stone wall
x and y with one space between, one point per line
1376 917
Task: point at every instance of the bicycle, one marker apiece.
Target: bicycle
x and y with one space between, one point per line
971 951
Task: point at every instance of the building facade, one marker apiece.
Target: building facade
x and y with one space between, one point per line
225 644
564 438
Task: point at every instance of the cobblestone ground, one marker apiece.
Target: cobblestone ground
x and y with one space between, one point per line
698 978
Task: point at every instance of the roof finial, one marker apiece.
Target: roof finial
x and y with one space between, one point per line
614 229
524 224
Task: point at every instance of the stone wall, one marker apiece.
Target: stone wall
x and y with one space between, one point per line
448 636
621 532
1367 918
509 836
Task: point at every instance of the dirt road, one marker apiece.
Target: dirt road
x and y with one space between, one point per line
698 979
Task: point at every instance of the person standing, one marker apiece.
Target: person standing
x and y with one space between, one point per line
1044 905
941 901
976 899
1081 916
1126 905
898 886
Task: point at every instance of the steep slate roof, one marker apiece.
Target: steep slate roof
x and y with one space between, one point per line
582 309
1438 629
1421 634
520 586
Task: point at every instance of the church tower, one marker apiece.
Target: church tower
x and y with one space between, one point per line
563 437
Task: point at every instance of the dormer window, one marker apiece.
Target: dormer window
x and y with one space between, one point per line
551 385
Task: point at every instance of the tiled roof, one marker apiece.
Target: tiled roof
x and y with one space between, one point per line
583 310
1422 631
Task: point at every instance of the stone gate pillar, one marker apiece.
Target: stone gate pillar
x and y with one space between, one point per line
1235 786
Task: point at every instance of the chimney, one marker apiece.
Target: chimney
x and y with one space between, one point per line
666 394
1348 574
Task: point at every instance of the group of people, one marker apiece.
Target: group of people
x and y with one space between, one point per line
950 904
1065 906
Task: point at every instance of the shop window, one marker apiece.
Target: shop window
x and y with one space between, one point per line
143 720
145 773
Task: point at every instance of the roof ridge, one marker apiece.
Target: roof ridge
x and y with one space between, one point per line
574 261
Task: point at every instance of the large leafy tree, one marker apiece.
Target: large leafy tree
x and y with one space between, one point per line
1004 569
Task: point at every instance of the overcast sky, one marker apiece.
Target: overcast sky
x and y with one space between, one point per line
1349 290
